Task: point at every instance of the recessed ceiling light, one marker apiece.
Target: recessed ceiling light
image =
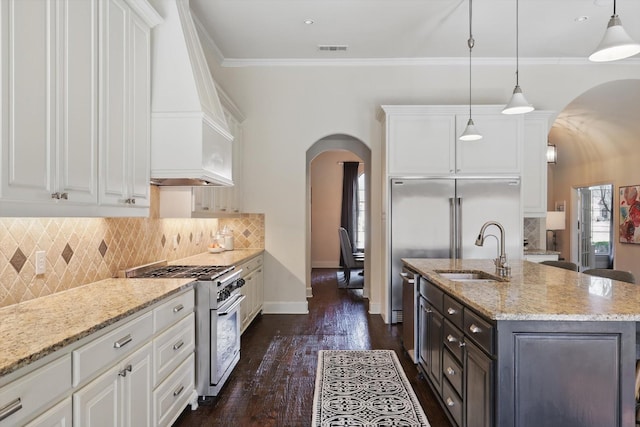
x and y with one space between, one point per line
581 18
308 21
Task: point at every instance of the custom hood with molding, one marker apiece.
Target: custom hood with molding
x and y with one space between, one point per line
190 140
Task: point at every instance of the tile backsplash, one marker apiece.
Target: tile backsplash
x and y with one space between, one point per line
532 233
84 250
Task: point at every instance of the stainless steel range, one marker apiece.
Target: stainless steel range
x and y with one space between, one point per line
218 318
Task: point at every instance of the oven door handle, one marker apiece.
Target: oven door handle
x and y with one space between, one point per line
233 306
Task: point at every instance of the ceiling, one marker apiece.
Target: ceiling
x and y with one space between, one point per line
259 31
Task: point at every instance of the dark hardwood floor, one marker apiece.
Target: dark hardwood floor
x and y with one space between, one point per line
273 383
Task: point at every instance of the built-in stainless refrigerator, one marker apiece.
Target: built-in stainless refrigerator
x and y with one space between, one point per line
441 218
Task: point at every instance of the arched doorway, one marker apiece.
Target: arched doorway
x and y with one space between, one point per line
355 147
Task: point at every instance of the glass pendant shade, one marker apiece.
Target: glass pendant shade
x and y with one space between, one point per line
616 43
470 132
518 103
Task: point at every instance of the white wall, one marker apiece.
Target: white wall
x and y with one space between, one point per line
290 108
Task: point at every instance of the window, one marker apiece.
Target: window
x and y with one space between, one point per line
360 213
601 201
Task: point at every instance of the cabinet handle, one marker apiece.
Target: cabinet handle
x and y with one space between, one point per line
474 329
451 338
462 344
178 308
450 371
130 201
178 391
55 196
428 310
178 345
127 368
451 311
64 196
122 341
10 409
450 402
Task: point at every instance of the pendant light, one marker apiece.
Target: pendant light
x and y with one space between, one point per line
470 132
518 103
616 43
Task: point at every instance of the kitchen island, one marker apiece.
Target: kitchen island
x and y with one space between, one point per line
546 347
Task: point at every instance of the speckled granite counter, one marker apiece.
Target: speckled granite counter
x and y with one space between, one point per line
33 329
234 257
537 292
41 326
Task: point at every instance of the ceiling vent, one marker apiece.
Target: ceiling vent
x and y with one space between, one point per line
332 47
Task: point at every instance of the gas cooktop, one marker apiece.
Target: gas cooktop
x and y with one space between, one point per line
200 272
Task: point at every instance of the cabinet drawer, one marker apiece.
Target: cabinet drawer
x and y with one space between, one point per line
30 394
251 265
172 346
478 330
452 371
171 397
432 293
452 339
452 402
452 310
107 349
173 310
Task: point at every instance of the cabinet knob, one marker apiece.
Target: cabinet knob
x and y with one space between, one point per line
450 371
55 195
450 402
451 311
475 329
451 338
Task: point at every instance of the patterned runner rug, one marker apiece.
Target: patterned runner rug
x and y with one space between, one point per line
364 388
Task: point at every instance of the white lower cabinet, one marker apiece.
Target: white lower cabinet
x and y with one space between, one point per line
34 393
119 397
170 397
253 276
58 416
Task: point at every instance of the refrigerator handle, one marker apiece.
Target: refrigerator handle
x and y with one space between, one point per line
453 229
458 227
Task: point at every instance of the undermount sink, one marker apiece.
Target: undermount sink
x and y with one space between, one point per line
468 276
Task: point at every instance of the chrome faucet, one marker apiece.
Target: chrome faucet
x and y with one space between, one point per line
502 266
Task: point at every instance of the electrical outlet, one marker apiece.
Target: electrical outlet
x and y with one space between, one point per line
175 242
41 262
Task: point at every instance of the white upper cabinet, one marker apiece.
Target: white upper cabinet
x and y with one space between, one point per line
423 141
125 106
75 84
49 103
534 173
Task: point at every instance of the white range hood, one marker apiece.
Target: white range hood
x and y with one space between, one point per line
190 139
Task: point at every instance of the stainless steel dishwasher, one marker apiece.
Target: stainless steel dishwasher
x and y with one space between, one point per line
410 305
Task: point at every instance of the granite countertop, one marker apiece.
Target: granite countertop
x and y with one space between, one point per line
225 258
537 292
40 326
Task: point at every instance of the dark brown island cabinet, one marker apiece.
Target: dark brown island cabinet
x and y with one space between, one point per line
531 372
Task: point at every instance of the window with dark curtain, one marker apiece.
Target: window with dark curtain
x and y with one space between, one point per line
349 215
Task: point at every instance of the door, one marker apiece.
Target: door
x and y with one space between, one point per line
421 220
586 256
482 200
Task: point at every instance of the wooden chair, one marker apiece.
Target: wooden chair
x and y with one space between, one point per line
351 259
567 265
623 276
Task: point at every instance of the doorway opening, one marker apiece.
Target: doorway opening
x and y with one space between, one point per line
595 226
325 169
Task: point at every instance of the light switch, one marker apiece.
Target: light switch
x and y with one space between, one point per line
41 262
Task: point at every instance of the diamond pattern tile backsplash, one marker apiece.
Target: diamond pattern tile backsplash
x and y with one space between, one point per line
532 233
85 250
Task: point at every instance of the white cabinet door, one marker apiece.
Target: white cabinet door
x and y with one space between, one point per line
419 144
121 397
140 154
125 103
28 99
498 152
534 173
49 132
58 416
77 132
